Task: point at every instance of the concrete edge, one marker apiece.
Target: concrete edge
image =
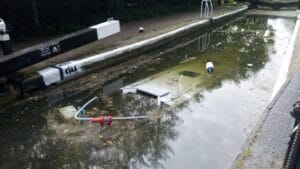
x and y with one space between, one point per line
271 15
256 131
36 81
280 85
284 68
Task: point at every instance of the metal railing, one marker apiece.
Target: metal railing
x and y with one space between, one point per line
206 9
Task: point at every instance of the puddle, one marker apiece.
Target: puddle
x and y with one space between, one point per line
206 128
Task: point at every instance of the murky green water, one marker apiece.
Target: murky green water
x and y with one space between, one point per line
205 130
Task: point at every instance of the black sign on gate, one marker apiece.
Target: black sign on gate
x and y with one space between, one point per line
70 70
51 50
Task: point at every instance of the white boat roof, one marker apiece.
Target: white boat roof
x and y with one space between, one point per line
152 90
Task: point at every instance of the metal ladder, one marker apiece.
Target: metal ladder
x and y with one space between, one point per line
206 9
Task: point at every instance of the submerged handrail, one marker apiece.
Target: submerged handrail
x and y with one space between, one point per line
102 120
81 110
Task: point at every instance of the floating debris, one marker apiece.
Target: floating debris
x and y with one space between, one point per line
266 40
250 64
219 44
210 67
267 33
235 28
150 69
68 111
229 39
188 59
66 131
243 50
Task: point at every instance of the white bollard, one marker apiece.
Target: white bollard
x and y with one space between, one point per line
141 29
210 67
2 26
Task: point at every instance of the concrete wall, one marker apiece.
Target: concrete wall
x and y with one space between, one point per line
121 54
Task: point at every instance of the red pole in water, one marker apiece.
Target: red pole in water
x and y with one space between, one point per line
102 120
107 120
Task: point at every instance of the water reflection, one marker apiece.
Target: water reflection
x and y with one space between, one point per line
112 87
62 95
204 131
203 42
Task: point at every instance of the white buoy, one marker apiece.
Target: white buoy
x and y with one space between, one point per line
210 67
141 29
267 33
